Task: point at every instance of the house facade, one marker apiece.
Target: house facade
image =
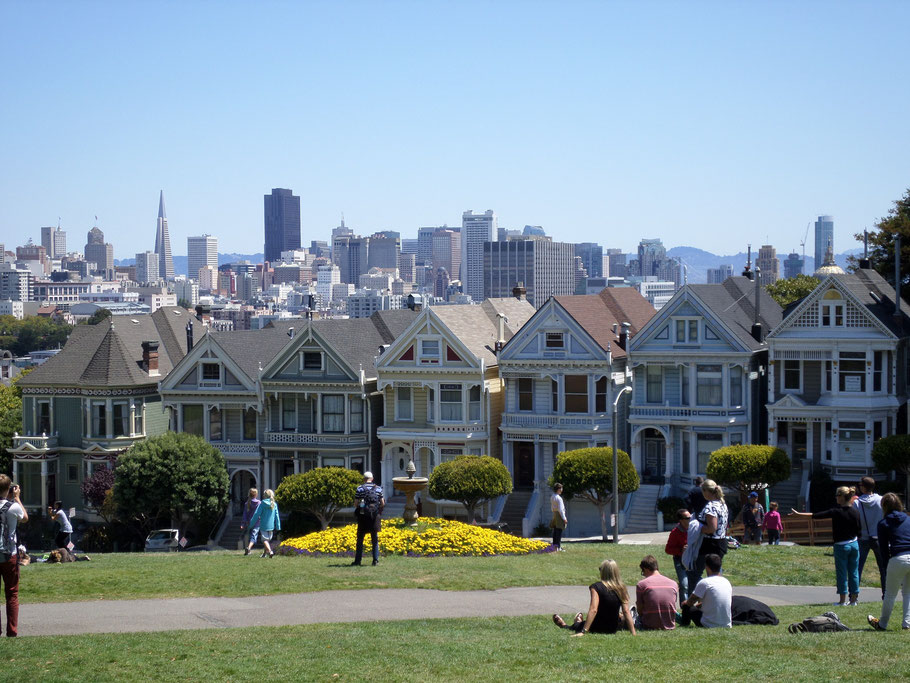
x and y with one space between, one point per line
838 374
700 370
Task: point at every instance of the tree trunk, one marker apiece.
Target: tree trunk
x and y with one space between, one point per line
602 508
470 509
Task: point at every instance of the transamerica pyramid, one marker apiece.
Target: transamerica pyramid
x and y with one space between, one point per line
163 244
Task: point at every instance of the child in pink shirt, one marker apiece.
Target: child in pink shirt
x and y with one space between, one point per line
773 524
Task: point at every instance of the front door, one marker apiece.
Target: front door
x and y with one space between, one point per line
798 447
655 460
524 464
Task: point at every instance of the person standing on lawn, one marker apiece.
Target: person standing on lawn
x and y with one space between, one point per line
676 546
695 498
368 506
753 515
559 521
65 530
12 511
249 509
713 529
267 519
711 602
845 526
869 506
894 538
773 524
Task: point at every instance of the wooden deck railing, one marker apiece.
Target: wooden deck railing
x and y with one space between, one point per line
800 530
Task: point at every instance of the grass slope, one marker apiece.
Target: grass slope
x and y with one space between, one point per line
501 649
230 574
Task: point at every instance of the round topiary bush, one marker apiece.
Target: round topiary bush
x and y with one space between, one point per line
471 480
748 467
321 492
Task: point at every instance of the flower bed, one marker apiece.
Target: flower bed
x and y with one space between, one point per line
432 537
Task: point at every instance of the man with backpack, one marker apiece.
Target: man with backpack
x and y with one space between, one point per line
368 505
11 512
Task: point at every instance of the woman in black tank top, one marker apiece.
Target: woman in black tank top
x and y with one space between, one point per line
608 598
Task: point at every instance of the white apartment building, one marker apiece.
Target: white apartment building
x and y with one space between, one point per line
201 251
475 230
146 267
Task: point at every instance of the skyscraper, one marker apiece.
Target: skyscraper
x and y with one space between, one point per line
147 268
447 252
351 255
793 265
163 243
384 250
282 223
100 253
476 229
716 276
768 265
200 252
591 257
618 267
824 235
545 268
54 240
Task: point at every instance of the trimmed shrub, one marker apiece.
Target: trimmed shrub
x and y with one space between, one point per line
322 492
471 480
893 453
748 467
669 506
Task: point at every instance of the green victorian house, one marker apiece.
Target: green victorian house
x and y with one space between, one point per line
93 400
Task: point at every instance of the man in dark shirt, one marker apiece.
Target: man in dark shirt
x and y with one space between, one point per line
368 505
695 499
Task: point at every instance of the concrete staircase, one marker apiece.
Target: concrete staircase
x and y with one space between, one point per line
643 513
786 492
514 511
232 537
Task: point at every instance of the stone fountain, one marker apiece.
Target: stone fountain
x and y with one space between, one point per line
411 486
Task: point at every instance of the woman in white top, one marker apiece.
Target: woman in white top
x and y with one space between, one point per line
64 533
713 520
559 521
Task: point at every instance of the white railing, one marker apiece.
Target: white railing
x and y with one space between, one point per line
43 442
519 420
228 447
295 438
684 411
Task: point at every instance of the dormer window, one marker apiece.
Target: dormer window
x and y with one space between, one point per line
832 309
554 340
311 360
211 374
686 330
429 351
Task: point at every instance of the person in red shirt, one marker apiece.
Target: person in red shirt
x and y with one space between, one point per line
656 597
676 545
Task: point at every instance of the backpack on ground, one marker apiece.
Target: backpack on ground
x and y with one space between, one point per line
826 623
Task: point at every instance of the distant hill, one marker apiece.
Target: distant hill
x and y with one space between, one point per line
697 261
180 261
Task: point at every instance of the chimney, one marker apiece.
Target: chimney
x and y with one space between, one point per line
756 323
189 336
291 332
864 262
520 292
747 272
897 279
150 358
501 340
624 336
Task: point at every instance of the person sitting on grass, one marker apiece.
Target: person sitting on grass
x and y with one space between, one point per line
894 540
711 603
608 597
655 597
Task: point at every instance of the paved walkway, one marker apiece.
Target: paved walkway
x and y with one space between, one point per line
122 616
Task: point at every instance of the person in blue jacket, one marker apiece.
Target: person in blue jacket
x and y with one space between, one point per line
266 516
894 543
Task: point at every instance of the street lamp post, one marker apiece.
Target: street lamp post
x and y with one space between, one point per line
616 464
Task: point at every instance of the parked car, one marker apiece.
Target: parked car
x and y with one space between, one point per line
163 540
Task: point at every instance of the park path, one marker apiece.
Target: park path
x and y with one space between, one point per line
125 616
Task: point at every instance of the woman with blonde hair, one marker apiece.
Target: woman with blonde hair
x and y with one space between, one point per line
713 520
266 516
845 526
249 508
608 597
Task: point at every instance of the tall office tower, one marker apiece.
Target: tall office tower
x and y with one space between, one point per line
718 275
793 265
649 252
768 265
54 240
100 253
147 270
406 264
33 252
327 277
592 257
208 279
2 254
546 268
618 266
409 246
824 236
342 230
425 245
441 283
476 230
200 252
351 255
384 250
503 234
163 243
447 252
282 223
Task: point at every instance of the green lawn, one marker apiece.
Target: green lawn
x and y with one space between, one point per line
500 649
130 576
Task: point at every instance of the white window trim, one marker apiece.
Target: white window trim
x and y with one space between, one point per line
211 382
463 402
321 360
429 359
783 377
830 304
398 417
562 336
686 341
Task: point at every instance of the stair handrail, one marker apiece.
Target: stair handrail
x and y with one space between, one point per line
499 504
531 517
228 516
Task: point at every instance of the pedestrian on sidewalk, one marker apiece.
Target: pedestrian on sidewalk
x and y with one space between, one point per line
249 509
677 543
267 519
773 524
12 511
559 521
368 506
845 526
894 538
869 505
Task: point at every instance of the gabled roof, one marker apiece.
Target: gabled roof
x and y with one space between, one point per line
597 313
110 353
477 327
733 304
252 349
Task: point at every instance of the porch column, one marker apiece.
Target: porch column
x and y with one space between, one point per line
132 431
347 413
669 457
810 441
318 413
44 500
296 462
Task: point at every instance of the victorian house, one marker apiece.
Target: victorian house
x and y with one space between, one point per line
441 387
700 377
839 371
89 403
562 373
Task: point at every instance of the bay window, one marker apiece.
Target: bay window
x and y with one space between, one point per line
216 432
450 403
852 371
192 420
654 384
525 393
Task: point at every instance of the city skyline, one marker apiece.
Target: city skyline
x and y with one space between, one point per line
708 138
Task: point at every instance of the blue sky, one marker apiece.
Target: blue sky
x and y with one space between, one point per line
709 124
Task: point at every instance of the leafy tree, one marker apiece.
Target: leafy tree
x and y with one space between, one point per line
881 240
788 290
95 488
893 453
748 467
177 475
98 316
322 491
10 418
471 480
32 334
588 474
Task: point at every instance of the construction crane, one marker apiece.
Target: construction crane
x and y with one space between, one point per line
805 237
